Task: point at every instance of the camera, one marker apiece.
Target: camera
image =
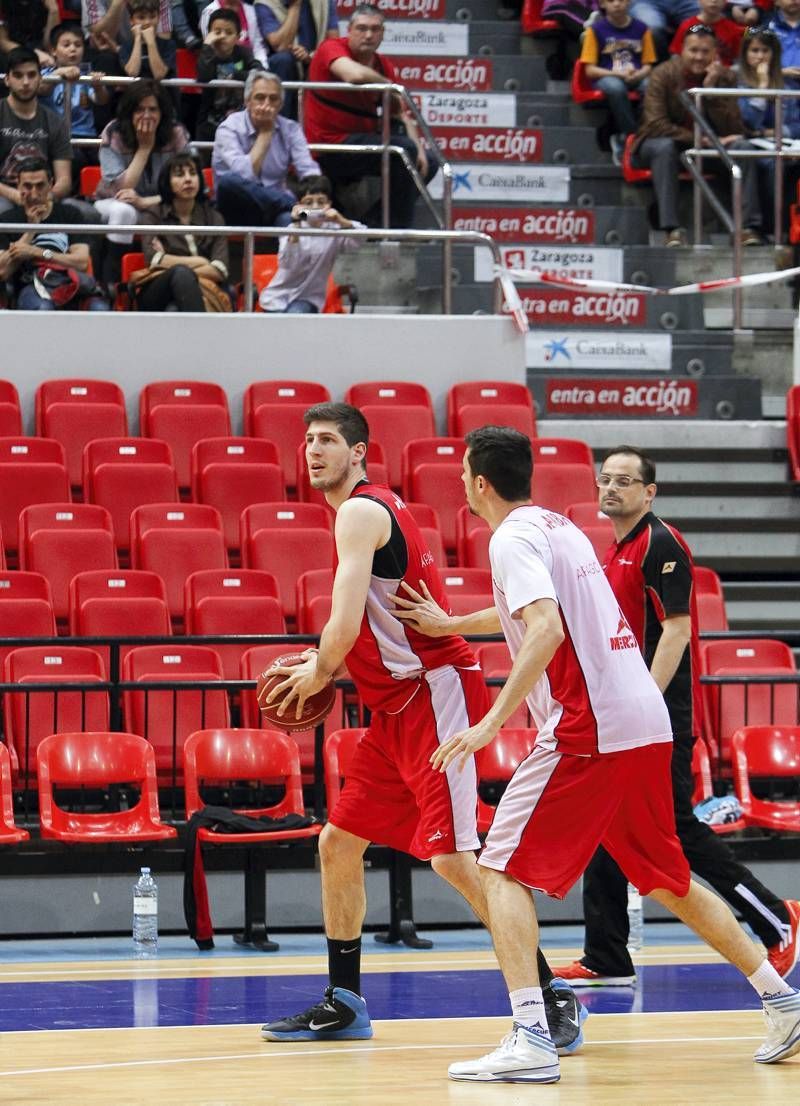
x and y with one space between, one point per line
312 215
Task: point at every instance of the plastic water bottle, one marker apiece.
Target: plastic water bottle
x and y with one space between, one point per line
145 916
635 920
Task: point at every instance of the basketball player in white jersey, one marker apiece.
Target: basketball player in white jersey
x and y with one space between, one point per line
599 772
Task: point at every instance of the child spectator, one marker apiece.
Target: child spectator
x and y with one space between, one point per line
67 45
306 262
618 54
728 33
148 54
251 35
222 58
187 272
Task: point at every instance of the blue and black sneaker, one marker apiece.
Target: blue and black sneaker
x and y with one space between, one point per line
341 1016
565 1016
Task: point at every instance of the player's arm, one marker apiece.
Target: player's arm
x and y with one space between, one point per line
676 633
362 526
543 635
421 611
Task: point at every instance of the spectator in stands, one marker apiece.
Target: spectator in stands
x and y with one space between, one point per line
667 128
618 54
185 24
222 58
133 151
661 16
107 25
46 270
27 129
186 272
748 15
292 31
147 54
785 23
67 46
727 32
27 23
353 118
306 262
253 151
250 34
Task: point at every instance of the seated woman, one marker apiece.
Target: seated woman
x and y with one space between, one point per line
133 150
185 271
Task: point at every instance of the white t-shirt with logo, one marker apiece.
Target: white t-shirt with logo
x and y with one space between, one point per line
596 695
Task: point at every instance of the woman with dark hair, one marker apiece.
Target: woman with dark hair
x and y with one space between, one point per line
185 271
133 150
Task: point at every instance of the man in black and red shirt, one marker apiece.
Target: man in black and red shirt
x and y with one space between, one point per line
651 573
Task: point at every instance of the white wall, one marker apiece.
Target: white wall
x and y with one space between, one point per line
235 350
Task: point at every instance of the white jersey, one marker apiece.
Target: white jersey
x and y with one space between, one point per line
596 695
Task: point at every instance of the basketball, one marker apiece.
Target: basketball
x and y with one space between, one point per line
315 709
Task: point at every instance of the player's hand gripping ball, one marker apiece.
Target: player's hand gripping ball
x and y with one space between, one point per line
316 708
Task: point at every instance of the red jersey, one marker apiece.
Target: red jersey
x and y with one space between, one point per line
651 573
332 116
389 657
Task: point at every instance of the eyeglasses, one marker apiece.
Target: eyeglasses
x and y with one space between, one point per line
759 32
701 29
606 481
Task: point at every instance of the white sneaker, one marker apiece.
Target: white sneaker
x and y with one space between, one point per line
782 1015
523 1056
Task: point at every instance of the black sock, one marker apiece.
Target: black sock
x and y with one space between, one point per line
344 964
545 975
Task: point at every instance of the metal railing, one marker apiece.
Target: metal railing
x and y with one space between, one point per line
382 147
693 101
250 234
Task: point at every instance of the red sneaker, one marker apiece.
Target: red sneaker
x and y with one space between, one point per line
783 957
578 975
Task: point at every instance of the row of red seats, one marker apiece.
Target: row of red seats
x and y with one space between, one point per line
82 760
75 411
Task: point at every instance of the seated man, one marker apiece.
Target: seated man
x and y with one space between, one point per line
352 118
28 129
47 270
253 151
667 128
292 32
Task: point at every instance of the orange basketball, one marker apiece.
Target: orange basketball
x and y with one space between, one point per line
315 709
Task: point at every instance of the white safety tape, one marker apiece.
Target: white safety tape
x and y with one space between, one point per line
537 276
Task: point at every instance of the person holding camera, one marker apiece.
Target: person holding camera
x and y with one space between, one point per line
306 261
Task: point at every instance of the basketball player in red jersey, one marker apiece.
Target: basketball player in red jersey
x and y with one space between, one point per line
419 692
599 771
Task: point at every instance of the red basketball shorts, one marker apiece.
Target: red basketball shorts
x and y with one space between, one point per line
392 796
558 808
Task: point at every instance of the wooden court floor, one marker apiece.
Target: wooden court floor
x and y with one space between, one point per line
644 1057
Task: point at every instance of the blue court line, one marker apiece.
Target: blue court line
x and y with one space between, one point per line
193 1001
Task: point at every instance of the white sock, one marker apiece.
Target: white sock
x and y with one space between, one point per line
527 1008
767 983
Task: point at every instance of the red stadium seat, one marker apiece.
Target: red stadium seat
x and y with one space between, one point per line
793 428
472 403
586 513
62 539
732 706
565 451
388 392
711 613
555 486
174 540
424 515
287 539
703 787
761 756
707 581
26 607
376 470
392 425
274 409
122 603
472 539
630 173
496 764
601 536
99 760
10 411
75 411
532 22
232 473
584 92
432 469
10 834
313 599
181 412
90 178
495 661
29 717
32 470
468 589
124 473
165 718
233 601
338 753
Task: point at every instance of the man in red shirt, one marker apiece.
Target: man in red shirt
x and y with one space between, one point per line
728 33
354 118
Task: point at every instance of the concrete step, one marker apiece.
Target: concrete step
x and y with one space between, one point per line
679 441
491 36
774 509
749 549
762 604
